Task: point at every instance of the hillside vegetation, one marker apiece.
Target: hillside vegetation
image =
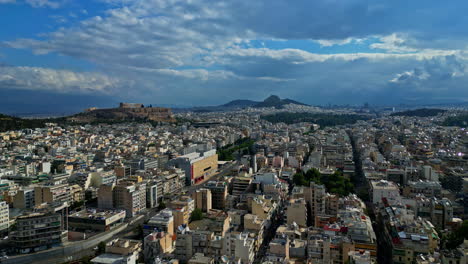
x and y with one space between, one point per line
459 120
15 123
423 112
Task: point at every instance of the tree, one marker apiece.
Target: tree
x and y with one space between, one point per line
452 182
334 183
101 248
196 215
456 238
299 179
161 206
313 175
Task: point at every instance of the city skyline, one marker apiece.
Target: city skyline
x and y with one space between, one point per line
199 53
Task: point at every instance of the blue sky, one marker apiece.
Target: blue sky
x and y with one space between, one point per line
209 52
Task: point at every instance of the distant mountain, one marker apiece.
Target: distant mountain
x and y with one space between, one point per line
272 101
277 102
240 103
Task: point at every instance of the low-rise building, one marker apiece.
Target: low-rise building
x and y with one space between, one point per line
199 258
161 222
157 244
95 219
384 189
119 251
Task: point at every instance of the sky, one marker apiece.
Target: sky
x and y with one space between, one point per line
68 54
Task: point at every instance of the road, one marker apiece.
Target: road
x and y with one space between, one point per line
151 212
141 219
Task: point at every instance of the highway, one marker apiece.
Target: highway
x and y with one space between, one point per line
132 223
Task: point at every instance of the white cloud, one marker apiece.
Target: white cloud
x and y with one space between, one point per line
296 56
185 48
37 3
393 43
44 3
32 78
408 76
333 42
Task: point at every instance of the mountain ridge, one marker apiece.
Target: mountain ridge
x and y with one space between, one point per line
271 101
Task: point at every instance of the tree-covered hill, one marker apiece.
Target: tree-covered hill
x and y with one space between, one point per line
423 112
459 120
15 123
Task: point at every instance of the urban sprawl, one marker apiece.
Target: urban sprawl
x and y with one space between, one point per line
232 187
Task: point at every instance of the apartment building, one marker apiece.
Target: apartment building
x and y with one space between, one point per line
157 244
384 189
126 195
53 193
296 212
24 199
219 193
4 217
203 199
38 231
161 222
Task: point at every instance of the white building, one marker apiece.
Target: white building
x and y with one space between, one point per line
384 189
4 217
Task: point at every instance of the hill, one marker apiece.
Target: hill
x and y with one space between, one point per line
240 103
124 113
423 112
460 120
8 123
277 102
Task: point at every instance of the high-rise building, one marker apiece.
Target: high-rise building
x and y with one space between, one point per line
130 196
127 195
105 197
202 199
219 194
4 217
152 194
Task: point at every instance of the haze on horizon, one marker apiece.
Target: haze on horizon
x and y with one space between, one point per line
75 54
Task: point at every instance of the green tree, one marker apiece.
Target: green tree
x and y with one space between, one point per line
101 248
454 239
299 180
335 183
161 205
196 215
313 175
